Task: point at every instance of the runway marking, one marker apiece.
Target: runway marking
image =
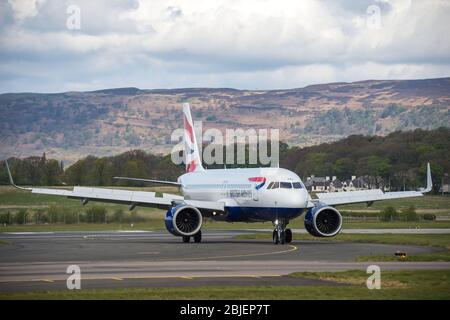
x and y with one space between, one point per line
132 231
116 278
31 233
46 280
293 248
186 277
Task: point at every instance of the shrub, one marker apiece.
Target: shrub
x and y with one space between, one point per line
4 218
96 214
39 215
55 213
410 214
118 215
70 216
21 216
429 216
389 214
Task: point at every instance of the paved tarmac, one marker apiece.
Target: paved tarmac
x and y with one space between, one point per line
38 261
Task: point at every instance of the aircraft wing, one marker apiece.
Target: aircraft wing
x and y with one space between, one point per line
128 197
171 183
339 198
120 196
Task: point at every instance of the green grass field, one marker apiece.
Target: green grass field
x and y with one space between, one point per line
429 284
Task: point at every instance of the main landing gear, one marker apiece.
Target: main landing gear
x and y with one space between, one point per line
280 233
197 237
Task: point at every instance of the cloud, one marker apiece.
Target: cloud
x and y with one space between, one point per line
226 43
23 9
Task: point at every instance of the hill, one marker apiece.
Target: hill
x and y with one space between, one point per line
71 125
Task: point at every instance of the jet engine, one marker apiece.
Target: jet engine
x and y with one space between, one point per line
183 220
323 221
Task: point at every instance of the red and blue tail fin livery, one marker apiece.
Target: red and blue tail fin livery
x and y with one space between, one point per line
191 153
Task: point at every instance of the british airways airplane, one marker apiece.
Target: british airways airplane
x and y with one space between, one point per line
249 195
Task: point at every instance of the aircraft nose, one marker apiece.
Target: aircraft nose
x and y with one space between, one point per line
299 199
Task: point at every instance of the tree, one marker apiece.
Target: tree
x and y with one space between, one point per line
389 214
343 167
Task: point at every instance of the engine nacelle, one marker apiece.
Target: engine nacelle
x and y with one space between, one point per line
323 221
183 220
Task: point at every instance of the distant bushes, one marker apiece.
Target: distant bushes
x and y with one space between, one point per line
389 214
429 217
67 215
410 214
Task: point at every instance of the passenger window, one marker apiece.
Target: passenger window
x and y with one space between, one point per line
270 185
297 185
276 185
285 185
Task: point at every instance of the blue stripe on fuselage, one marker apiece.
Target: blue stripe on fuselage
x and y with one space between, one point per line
261 213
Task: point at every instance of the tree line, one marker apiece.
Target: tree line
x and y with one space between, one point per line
397 160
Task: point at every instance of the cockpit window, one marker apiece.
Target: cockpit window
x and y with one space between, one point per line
276 185
297 185
285 185
270 185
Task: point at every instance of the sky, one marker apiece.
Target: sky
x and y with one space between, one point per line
82 45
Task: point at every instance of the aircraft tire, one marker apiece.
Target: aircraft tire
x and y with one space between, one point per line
198 237
186 239
283 237
288 235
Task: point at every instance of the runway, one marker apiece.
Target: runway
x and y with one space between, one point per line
38 261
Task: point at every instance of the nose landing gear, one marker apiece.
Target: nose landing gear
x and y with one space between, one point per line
280 234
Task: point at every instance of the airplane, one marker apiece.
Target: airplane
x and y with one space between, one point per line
234 195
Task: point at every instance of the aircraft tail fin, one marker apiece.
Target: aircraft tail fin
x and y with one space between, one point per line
191 152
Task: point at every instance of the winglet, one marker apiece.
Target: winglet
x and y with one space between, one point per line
11 181
429 181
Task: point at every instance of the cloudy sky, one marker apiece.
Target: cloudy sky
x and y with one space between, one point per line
63 45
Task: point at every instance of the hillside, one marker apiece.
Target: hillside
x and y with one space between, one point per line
70 125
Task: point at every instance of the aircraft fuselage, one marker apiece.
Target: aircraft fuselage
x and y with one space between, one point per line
249 194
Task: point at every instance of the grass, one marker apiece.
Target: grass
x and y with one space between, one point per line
429 284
